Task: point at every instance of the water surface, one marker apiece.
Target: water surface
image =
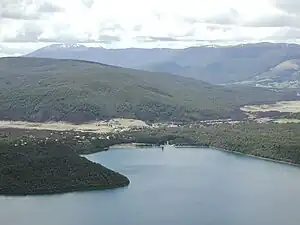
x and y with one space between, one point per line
172 187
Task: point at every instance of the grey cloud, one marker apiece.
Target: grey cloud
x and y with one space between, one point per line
108 39
6 50
282 20
190 32
47 7
228 18
231 18
110 27
289 6
104 39
192 20
215 27
32 31
18 9
63 39
149 39
146 39
292 34
88 3
18 15
187 36
158 16
102 36
286 34
138 27
153 38
29 32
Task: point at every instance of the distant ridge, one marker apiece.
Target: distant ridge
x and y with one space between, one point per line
213 64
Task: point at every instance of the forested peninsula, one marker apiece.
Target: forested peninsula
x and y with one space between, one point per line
48 168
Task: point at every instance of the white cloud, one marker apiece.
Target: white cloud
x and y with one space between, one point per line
289 6
140 23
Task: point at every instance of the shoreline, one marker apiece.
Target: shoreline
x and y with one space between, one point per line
132 145
211 147
125 184
258 157
61 192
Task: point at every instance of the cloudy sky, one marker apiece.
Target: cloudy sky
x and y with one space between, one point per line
26 25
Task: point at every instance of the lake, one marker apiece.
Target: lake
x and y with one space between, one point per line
184 186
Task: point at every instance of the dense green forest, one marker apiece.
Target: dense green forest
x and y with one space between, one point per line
274 141
36 89
49 167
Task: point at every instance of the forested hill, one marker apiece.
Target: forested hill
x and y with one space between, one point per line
38 89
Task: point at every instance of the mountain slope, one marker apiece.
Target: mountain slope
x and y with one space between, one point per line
233 63
38 89
215 64
284 75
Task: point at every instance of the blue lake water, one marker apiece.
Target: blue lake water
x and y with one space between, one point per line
172 187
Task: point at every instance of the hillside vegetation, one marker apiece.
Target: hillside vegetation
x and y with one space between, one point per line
36 89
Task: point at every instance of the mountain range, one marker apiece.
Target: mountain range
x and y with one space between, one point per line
248 64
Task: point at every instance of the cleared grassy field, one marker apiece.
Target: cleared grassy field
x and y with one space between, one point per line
287 121
283 106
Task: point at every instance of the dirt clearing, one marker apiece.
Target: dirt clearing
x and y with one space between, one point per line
114 125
